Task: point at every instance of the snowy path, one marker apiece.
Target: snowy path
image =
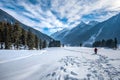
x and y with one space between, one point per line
70 63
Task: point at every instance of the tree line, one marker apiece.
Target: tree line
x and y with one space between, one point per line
54 43
111 43
12 36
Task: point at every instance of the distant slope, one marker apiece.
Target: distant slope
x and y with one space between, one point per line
73 36
88 33
4 16
108 29
59 34
76 35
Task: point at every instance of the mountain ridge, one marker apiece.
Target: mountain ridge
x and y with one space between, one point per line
4 16
86 35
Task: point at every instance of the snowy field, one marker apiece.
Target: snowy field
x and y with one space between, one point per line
68 63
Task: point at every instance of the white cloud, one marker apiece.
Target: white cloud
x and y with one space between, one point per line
73 10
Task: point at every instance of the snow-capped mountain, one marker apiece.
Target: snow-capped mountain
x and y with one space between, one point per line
59 34
4 16
93 23
72 36
76 35
108 29
93 31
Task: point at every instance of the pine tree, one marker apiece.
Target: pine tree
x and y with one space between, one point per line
44 44
0 36
17 34
115 42
9 33
24 37
40 43
30 40
80 44
36 42
109 43
7 37
13 34
103 43
2 33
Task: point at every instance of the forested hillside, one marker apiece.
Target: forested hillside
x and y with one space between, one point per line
13 36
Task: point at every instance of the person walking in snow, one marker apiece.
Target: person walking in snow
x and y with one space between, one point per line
95 50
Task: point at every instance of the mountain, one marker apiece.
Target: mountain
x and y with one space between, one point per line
4 16
72 36
59 34
108 29
93 23
93 31
76 35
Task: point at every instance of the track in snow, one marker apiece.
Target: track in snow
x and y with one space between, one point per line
69 63
72 67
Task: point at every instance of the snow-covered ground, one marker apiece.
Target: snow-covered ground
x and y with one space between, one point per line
68 63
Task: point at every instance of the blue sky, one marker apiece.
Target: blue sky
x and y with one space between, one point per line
49 16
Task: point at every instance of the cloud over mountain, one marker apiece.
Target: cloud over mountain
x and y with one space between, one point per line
49 16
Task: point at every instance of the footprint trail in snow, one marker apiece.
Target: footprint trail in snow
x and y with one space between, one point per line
75 68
